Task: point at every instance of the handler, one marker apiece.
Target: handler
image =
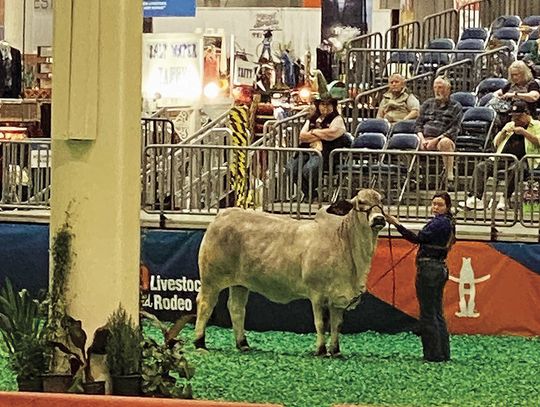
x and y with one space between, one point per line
435 239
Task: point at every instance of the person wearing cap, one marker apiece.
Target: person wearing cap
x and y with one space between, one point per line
439 123
323 131
518 137
398 103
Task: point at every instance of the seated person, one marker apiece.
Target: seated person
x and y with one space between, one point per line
518 137
398 103
521 86
324 131
439 123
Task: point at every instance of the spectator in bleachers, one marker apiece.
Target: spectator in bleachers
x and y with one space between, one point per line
323 131
521 86
398 103
518 137
439 123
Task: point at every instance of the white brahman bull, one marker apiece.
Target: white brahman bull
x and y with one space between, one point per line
325 260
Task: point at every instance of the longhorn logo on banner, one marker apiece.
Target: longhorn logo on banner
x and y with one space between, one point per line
467 289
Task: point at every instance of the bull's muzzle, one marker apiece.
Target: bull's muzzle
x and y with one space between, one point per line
378 222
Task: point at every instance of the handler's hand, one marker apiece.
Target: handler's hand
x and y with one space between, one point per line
392 220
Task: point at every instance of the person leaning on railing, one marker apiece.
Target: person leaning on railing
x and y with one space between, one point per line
518 137
398 103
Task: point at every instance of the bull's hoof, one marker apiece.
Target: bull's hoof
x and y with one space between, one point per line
243 346
335 352
200 343
321 351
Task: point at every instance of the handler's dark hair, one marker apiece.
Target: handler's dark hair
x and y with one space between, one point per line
448 201
446 197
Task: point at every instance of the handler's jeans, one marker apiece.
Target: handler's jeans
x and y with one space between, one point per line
431 278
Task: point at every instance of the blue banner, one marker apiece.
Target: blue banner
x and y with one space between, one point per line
169 8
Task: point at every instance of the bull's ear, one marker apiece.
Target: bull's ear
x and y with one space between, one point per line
340 208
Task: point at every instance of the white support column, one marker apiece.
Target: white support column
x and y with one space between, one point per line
96 150
14 22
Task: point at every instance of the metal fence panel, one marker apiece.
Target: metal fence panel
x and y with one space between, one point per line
26 173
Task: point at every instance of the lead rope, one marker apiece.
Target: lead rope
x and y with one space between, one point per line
390 246
393 264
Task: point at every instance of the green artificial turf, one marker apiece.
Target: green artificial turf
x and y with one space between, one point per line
383 370
375 369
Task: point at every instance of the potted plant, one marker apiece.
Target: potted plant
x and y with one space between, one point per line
80 360
21 328
59 377
161 360
124 353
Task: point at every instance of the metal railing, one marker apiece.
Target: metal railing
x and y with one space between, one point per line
367 68
440 25
407 181
284 133
201 179
405 35
25 173
482 13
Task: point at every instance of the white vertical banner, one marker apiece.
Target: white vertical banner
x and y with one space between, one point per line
172 70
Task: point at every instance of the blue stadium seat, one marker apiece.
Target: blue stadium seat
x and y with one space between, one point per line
441 43
404 126
465 99
535 34
531 21
507 33
476 127
373 126
472 44
403 141
394 171
431 61
484 100
371 141
478 33
506 21
490 85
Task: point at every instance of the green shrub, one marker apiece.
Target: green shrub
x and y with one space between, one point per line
123 345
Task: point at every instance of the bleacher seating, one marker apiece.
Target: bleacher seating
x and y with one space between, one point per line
507 33
485 99
490 85
472 44
476 127
431 61
404 126
465 99
478 33
381 126
535 34
403 63
531 21
371 141
506 21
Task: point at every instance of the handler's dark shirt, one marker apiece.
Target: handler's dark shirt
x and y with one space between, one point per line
433 238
